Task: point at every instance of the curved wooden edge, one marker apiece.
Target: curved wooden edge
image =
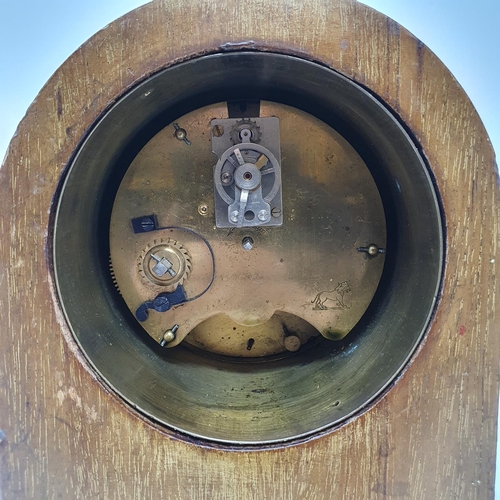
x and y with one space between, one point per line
432 436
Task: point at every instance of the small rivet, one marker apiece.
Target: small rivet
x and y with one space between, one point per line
234 216
203 209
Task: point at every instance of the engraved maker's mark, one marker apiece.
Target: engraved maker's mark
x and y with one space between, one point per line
332 299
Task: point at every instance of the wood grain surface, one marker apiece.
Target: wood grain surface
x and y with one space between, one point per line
433 436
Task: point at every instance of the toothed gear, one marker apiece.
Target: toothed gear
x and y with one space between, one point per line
164 265
245 124
113 276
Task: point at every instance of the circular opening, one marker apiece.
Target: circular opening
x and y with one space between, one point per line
249 215
282 399
247 176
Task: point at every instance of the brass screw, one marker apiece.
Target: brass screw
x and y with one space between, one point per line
169 336
218 130
372 250
181 134
292 343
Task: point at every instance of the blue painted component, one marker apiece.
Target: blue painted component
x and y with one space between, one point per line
161 303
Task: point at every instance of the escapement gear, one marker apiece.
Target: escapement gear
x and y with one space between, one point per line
242 125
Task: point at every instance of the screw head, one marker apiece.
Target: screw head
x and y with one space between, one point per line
234 216
147 224
203 209
217 130
180 134
226 178
263 215
161 304
372 250
247 243
275 212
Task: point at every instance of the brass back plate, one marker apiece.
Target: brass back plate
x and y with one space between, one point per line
309 268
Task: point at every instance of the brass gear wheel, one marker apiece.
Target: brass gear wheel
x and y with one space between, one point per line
164 264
